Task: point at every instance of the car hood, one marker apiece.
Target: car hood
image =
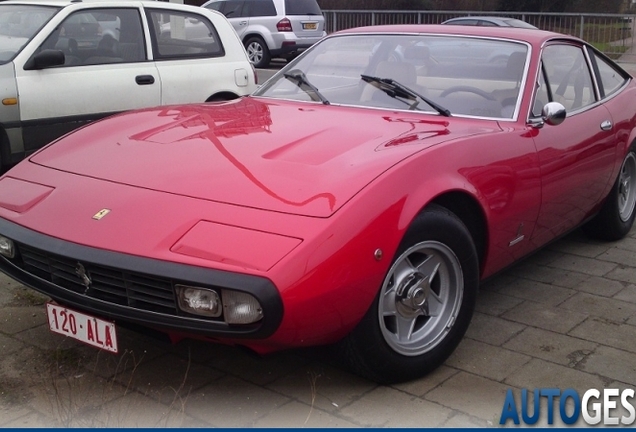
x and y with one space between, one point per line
283 156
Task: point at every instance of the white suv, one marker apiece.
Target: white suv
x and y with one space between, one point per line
273 28
64 63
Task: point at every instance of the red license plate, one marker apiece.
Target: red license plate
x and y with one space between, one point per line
82 327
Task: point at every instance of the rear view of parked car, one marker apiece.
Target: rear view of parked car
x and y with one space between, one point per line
273 28
64 63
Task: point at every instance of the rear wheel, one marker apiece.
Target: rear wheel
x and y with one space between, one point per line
616 217
424 306
257 52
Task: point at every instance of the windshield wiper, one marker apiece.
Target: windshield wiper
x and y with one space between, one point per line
397 90
301 81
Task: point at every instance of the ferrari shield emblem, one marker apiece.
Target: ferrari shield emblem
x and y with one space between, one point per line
100 214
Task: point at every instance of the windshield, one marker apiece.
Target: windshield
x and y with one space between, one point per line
440 74
18 25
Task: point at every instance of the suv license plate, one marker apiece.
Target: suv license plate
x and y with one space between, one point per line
82 327
310 26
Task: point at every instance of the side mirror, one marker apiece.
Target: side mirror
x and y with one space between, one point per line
553 113
45 59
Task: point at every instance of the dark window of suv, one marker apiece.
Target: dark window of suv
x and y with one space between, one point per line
233 9
217 6
302 7
259 8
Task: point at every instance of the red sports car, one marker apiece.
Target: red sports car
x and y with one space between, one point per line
358 197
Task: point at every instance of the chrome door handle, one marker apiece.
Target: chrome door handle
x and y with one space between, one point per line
606 125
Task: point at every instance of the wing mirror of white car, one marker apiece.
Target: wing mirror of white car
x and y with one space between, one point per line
45 59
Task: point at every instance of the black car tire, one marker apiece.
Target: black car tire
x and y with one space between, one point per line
257 52
430 291
616 217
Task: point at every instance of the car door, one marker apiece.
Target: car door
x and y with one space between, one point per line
235 13
577 157
104 72
190 57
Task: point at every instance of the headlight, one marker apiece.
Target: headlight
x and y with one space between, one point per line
237 307
7 247
241 308
199 301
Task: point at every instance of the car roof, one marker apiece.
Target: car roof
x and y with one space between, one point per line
531 36
62 3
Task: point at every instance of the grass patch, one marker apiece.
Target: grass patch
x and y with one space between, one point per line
610 50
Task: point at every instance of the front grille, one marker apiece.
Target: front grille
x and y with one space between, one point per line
116 286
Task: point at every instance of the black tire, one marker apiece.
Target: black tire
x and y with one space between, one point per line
224 97
616 217
435 269
257 52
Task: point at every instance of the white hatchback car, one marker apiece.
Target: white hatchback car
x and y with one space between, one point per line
64 63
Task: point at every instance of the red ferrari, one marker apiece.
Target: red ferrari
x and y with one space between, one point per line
358 197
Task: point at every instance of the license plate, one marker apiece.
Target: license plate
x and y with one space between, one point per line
310 26
82 327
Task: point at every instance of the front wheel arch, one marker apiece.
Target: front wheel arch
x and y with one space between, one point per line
468 209
433 300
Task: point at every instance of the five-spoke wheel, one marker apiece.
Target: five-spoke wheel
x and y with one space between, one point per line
424 305
421 297
616 217
626 189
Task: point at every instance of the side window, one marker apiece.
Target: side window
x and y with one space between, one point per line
233 9
568 76
183 35
542 96
467 22
609 79
99 36
255 8
217 6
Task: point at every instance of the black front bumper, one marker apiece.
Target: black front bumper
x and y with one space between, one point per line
130 288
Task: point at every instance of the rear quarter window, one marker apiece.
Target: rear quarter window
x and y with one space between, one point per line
183 35
609 78
302 7
259 8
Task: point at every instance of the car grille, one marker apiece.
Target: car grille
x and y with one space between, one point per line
115 286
